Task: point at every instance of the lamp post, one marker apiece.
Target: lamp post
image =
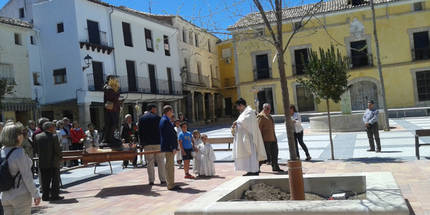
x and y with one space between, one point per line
88 60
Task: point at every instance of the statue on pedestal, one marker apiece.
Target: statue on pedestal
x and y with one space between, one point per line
112 106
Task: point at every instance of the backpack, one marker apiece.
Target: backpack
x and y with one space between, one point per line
7 181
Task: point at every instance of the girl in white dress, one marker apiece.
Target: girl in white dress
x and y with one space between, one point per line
207 158
196 154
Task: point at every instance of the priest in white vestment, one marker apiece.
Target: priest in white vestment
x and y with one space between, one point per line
248 145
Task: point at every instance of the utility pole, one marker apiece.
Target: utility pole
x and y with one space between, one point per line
381 77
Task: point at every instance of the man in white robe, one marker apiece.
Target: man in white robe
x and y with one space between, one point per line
248 145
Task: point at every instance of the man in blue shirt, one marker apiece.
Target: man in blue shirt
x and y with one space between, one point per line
169 144
370 119
185 140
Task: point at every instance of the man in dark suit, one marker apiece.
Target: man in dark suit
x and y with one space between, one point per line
169 144
49 162
149 136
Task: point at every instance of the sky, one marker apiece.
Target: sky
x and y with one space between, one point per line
213 15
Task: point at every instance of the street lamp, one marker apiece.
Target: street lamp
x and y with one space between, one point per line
88 60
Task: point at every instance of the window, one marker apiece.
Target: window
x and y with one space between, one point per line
190 35
60 76
359 55
36 76
262 70
126 32
166 45
17 39
21 13
423 85
209 45
60 27
131 75
418 6
305 99
94 33
148 39
170 80
355 2
196 38
184 35
421 49
301 58
265 96
32 40
6 72
152 78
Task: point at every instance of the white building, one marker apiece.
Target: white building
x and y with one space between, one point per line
199 70
70 30
20 65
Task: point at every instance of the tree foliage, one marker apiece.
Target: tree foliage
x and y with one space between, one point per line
326 74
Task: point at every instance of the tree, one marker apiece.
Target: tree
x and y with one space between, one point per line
276 35
6 88
326 75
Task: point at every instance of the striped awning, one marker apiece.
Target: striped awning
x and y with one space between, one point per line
15 106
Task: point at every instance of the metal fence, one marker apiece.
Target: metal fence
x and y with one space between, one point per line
197 79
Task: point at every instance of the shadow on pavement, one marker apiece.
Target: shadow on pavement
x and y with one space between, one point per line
98 176
39 209
209 177
127 190
190 190
391 152
375 160
65 201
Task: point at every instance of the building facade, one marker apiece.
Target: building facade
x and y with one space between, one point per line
227 66
20 66
138 49
198 56
403 30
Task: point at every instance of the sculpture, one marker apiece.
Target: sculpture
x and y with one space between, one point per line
112 106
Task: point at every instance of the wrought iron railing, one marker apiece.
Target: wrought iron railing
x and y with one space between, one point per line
197 79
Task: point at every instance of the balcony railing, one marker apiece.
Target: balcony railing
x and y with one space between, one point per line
141 85
262 74
421 53
358 61
100 45
216 83
197 79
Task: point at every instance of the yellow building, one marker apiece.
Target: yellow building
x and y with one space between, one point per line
403 31
227 75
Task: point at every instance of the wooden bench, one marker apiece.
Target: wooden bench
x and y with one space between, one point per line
221 140
418 134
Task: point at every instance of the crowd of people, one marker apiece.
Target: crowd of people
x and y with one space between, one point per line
255 144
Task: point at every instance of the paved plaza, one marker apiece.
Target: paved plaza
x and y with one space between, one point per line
127 192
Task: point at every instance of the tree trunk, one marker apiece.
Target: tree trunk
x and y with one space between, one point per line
381 77
329 129
295 173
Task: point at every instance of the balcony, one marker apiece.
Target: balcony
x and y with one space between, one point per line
421 53
141 85
216 83
262 74
359 61
98 43
196 79
229 82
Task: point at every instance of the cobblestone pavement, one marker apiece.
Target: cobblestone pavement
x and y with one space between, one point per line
127 192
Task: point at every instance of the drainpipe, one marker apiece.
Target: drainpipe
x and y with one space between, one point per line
111 37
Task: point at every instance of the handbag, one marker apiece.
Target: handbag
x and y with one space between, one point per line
109 105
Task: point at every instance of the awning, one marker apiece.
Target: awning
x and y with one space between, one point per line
18 106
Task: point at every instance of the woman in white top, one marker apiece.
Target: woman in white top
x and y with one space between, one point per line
298 132
18 199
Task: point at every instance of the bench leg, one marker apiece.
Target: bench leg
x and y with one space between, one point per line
417 147
95 167
111 172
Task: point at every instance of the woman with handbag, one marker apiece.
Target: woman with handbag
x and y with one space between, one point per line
298 132
17 200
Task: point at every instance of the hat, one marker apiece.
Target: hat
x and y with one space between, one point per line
371 102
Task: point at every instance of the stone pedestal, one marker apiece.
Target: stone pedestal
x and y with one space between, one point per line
343 122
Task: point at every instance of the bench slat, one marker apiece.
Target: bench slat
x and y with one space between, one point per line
423 132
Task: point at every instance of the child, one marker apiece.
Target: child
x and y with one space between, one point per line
207 158
178 153
197 143
186 144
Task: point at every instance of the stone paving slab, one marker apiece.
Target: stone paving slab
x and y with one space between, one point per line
128 192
